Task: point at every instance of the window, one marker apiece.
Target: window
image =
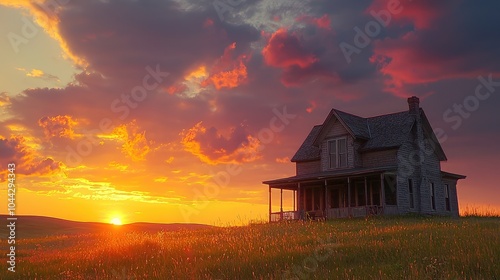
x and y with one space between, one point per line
390 187
410 192
337 150
447 197
433 197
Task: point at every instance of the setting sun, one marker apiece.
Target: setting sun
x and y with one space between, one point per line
116 221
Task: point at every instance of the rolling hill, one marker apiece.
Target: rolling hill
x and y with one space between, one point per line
40 226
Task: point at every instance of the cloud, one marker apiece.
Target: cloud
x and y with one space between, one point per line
28 162
135 144
37 73
283 160
228 73
284 50
211 147
58 126
323 22
4 99
424 54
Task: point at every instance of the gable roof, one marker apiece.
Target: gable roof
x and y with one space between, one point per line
307 151
356 126
378 133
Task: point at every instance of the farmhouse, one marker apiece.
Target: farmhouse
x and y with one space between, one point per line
351 166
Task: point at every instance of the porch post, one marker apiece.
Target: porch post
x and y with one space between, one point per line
326 201
366 196
281 205
304 198
382 191
349 196
294 201
299 196
269 203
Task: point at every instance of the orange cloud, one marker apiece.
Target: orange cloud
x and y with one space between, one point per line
285 50
230 79
27 160
192 83
135 144
228 73
58 126
4 99
177 88
45 15
37 73
213 148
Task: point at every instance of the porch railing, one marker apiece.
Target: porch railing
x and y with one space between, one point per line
333 213
284 216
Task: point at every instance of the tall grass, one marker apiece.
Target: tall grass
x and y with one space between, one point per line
389 248
480 211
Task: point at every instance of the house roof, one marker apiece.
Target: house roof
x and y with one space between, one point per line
377 133
357 125
307 151
388 131
325 175
452 175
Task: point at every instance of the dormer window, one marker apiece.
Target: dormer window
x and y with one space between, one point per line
337 150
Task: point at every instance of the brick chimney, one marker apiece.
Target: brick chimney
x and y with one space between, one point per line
413 104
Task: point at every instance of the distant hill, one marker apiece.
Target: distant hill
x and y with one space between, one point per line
40 226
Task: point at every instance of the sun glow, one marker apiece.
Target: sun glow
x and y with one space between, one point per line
116 221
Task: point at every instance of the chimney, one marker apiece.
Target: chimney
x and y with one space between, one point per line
413 104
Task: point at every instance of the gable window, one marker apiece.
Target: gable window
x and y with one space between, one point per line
337 151
410 192
447 197
433 197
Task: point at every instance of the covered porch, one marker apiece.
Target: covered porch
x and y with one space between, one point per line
357 193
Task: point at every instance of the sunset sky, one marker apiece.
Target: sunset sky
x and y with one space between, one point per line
176 111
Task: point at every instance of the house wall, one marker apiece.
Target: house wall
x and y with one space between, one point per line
379 158
358 160
453 197
409 169
337 130
417 165
308 167
432 167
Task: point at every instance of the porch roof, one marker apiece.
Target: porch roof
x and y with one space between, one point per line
452 175
330 175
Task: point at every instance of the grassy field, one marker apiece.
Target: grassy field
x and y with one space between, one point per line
390 248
